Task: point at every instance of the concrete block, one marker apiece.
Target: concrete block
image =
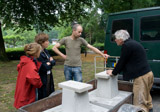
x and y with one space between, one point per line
75 96
78 87
107 86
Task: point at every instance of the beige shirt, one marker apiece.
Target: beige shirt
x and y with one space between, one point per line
73 50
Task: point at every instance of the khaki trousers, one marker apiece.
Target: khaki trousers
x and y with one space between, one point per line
141 90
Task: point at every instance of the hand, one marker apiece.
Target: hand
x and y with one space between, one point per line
106 55
51 59
109 72
48 63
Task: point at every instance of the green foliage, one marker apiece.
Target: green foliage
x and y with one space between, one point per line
110 6
49 47
40 14
24 15
15 49
53 34
99 35
52 53
16 53
64 31
28 37
99 46
93 29
13 40
83 49
8 32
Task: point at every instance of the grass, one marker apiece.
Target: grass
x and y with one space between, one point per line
8 77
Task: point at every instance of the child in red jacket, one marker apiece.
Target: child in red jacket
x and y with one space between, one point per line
28 78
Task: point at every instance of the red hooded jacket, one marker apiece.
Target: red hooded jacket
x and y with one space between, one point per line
27 81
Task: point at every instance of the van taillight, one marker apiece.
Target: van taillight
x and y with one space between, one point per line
105 51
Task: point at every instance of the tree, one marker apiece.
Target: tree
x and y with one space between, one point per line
28 36
110 6
64 31
92 28
3 55
53 34
13 40
39 14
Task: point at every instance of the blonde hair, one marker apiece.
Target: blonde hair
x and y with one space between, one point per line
32 49
41 38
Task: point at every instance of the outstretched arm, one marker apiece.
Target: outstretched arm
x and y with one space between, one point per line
97 51
57 51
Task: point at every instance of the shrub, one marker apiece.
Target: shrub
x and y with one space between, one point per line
16 53
52 53
99 46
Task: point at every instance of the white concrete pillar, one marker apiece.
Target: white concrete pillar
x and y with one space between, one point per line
107 86
75 96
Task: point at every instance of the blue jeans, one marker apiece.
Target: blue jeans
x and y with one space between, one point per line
36 94
73 73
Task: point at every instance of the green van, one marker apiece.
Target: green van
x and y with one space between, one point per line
144 27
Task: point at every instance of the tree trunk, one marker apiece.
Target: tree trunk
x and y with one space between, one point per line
3 55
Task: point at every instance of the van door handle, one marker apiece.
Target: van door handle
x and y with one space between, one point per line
146 49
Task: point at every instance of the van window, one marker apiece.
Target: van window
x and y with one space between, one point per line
125 24
150 28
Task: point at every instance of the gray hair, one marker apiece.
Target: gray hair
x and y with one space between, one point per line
122 34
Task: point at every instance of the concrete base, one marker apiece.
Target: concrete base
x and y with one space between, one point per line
107 86
94 108
108 103
75 102
56 99
75 96
106 98
98 104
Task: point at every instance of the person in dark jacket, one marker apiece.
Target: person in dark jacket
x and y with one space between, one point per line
28 78
133 63
45 70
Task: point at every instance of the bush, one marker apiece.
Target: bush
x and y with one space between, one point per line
99 46
16 53
52 53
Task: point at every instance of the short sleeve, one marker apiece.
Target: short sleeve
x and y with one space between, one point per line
62 41
84 42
